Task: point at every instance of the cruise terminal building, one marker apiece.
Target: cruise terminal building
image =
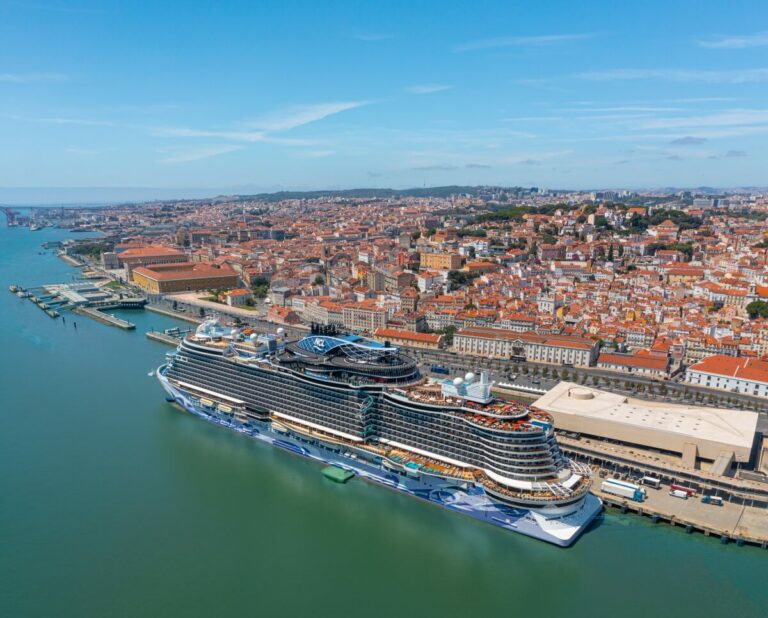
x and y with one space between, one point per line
693 432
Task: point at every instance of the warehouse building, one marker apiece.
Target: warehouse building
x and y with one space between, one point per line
184 277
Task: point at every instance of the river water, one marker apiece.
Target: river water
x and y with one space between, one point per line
115 503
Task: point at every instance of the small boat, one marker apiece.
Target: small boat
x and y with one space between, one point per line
337 475
151 374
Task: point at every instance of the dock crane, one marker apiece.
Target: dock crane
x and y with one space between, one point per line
10 216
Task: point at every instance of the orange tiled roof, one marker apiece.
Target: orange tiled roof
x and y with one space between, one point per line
733 367
633 360
393 333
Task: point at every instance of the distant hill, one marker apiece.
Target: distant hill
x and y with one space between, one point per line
373 193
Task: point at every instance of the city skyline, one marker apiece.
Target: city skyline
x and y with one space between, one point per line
342 96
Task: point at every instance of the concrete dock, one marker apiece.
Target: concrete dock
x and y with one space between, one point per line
730 522
163 338
105 318
173 314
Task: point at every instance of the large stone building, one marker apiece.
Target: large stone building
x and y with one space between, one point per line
533 347
183 277
129 257
742 375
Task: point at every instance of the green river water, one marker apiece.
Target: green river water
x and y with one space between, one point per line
115 503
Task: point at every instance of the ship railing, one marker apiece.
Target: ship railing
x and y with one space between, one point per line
540 492
580 468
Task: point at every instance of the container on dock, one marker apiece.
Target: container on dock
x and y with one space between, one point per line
624 489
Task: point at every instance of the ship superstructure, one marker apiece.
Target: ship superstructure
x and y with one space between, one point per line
364 405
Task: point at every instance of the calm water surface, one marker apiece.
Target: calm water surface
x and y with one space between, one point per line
114 503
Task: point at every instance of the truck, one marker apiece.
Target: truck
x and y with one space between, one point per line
651 481
621 488
687 490
714 500
679 493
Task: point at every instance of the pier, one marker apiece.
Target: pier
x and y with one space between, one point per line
172 314
105 318
169 338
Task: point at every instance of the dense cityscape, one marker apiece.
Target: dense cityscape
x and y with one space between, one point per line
655 285
435 309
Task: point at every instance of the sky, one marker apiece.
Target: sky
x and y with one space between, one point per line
270 95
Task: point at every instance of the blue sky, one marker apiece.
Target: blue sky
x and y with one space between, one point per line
270 95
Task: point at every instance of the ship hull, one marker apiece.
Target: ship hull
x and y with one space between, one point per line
463 497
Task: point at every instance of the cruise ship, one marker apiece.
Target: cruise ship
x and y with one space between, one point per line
363 406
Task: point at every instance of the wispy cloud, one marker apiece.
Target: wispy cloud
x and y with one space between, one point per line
735 117
23 78
704 100
744 41
235 136
622 108
298 115
478 166
736 76
315 154
520 41
196 154
688 141
733 154
86 122
427 88
532 119
262 130
373 37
